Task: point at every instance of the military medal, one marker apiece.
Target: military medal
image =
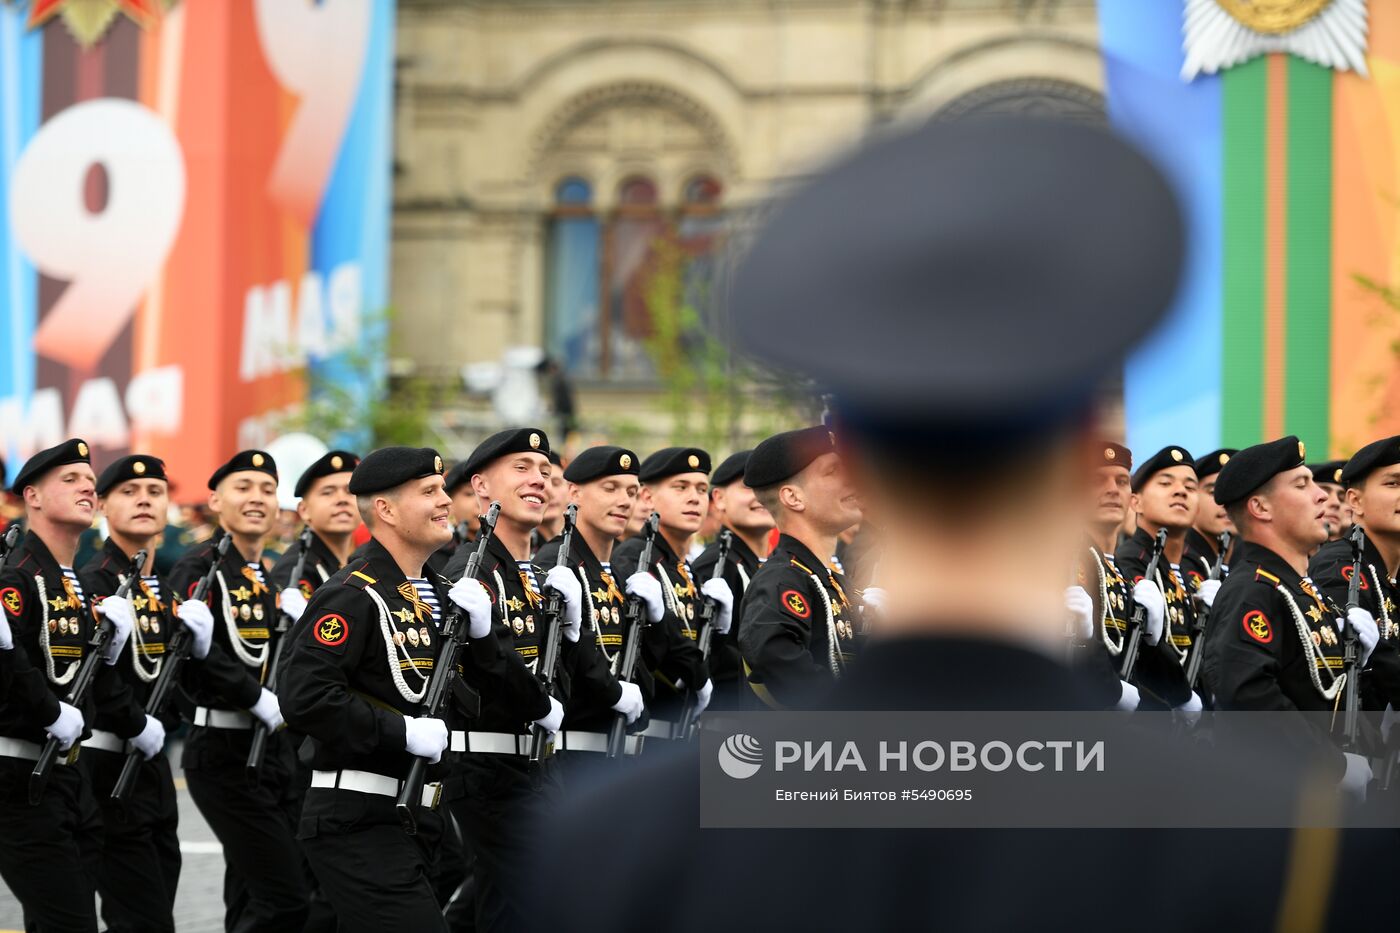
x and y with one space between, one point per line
424 637
53 626
258 612
63 626
145 623
245 612
518 624
530 624
412 635
399 639
1317 639
155 625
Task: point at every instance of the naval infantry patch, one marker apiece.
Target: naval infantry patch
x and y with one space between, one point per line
795 603
1257 627
14 602
331 630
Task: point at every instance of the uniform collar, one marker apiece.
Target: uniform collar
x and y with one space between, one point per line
34 547
116 558
584 556
321 551
1256 555
1197 543
662 553
740 551
802 554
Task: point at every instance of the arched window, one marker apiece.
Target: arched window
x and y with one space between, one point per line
572 279
701 191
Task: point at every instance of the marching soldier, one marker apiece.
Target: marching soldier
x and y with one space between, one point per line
1212 521
1277 643
140 865
264 882
50 851
675 483
1371 477
354 682
1100 601
466 511
800 625
1164 495
553 522
1329 476
748 522
602 482
494 788
328 508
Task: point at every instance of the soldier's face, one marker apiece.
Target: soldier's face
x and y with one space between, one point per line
66 495
681 501
1109 496
831 496
1376 502
558 495
605 505
641 511
1299 508
520 482
137 507
246 503
328 506
1332 509
465 508
1211 519
1168 499
421 513
739 508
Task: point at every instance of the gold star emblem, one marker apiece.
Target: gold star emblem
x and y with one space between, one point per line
403 615
58 603
139 602
1389 606
241 594
600 595
1315 614
514 604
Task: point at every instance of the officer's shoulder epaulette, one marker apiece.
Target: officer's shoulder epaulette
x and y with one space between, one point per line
1263 576
357 576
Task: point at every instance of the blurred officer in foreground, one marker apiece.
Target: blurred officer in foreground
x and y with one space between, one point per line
969 251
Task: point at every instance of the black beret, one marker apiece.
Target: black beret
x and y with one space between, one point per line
731 468
388 467
1114 454
783 456
335 461
457 476
954 254
598 462
672 460
1254 466
73 450
1212 462
1329 472
136 466
504 443
1161 460
259 460
555 459
1373 456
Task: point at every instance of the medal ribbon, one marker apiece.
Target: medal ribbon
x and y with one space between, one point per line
534 599
613 594
258 585
410 592
685 575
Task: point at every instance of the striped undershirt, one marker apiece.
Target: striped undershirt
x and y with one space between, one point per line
152 584
428 595
73 578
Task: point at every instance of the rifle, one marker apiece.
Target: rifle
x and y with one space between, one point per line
176 653
635 616
707 620
1130 651
1351 717
7 543
101 638
444 682
1198 637
554 634
258 749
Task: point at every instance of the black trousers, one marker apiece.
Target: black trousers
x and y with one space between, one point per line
139 868
375 876
49 852
265 884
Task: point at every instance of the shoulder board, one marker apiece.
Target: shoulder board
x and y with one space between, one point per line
799 565
1260 574
357 577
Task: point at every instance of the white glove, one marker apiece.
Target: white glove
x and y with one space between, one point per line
151 739
7 640
67 727
292 602
471 596
719 591
1357 776
1191 709
552 720
268 710
426 738
1128 697
1146 595
630 702
1206 593
563 580
116 610
873 597
648 588
200 622
1366 631
1080 607
702 696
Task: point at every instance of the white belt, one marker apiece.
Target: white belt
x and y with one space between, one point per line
222 718
660 729
106 741
576 741
367 782
489 743
29 751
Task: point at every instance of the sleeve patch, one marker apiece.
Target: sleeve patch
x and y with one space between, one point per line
12 600
1349 570
331 630
1257 627
795 603
306 588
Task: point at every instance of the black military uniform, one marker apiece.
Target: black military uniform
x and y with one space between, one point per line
493 787
1160 673
49 854
264 877
801 626
140 867
669 646
1097 573
322 563
589 714
726 661
1202 553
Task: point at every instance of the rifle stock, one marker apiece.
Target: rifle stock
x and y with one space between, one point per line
554 634
1130 651
686 724
635 615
